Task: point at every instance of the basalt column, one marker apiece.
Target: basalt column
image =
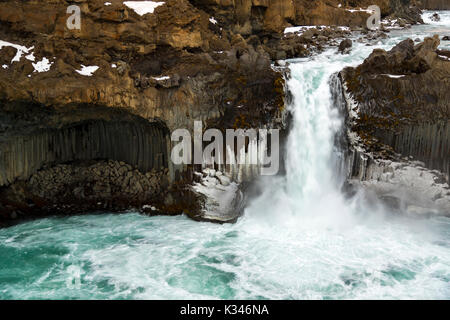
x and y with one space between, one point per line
102 161
135 143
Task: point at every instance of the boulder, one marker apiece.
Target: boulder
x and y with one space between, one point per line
435 17
345 46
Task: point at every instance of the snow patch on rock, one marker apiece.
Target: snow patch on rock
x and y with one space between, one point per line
20 49
221 196
30 57
42 66
393 76
301 29
87 70
161 78
359 10
143 7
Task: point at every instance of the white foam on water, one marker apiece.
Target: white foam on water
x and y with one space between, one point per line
444 16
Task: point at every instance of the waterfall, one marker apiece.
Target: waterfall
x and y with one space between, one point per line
299 239
311 150
315 150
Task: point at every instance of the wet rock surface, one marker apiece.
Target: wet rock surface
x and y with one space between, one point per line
345 46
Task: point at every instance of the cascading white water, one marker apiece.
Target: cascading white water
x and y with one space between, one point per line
311 185
313 165
301 239
444 18
310 145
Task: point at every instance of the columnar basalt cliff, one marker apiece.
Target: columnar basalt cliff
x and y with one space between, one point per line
399 115
86 114
150 75
435 4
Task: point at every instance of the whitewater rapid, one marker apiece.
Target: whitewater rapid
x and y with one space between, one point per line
300 239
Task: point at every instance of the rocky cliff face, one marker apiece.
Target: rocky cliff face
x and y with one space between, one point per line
114 91
265 16
173 64
402 98
399 117
435 4
79 105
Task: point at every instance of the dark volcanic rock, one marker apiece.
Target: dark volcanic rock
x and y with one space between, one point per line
435 17
345 46
156 73
403 99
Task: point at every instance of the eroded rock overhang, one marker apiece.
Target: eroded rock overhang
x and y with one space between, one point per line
47 138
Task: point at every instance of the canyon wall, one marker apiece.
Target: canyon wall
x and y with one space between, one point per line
143 145
264 16
117 87
429 143
402 101
397 115
435 4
